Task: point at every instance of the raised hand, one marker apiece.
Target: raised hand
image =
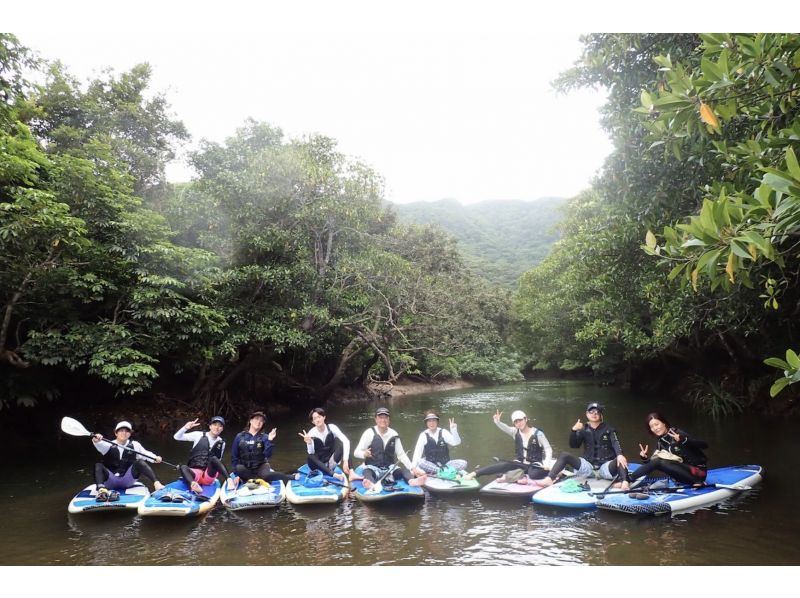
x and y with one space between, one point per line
272 434
304 435
643 451
496 416
192 424
578 425
452 423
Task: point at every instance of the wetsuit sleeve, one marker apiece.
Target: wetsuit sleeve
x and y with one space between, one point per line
420 446
344 439
506 428
268 448
146 455
363 444
615 443
576 438
401 454
452 438
235 451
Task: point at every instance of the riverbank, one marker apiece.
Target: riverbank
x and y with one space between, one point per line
402 388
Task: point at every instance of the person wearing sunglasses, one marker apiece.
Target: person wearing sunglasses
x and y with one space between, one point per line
602 452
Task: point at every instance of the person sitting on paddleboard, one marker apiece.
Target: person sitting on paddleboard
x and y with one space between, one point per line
602 452
532 450
252 449
205 458
327 446
120 468
380 447
676 454
432 452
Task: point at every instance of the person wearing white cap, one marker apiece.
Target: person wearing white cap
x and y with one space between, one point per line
205 458
532 451
380 447
121 467
602 453
432 453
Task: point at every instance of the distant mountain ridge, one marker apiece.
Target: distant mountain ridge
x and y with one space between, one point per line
501 239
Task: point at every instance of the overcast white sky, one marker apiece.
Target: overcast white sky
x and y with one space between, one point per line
443 99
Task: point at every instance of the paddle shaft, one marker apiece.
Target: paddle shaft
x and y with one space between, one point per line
136 452
673 489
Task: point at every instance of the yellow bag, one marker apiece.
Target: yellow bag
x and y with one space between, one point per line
667 456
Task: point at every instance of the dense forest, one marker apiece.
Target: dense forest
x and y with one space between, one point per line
280 273
500 240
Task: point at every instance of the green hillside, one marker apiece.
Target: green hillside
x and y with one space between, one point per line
500 239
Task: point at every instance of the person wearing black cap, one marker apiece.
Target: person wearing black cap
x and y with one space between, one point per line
532 451
205 458
326 444
432 452
252 449
380 447
602 454
121 467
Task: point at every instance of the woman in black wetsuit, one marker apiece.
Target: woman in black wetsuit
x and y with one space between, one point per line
676 454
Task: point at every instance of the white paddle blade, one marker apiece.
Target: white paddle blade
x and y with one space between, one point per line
73 427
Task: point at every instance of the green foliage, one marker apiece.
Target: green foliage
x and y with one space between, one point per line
499 239
712 398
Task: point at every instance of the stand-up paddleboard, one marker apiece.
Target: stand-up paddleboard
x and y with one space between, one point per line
400 491
316 488
720 484
436 485
499 487
258 495
576 492
130 498
177 500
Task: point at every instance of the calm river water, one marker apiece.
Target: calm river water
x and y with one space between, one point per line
759 528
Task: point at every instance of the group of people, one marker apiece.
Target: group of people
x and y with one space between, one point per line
675 453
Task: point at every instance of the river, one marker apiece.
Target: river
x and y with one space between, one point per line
761 527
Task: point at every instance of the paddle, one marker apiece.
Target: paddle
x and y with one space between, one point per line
672 489
74 428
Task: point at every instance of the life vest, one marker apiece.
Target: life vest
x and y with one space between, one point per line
116 464
382 456
251 451
598 444
202 452
534 450
324 450
436 451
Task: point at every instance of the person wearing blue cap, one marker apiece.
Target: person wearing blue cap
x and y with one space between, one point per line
602 452
380 447
205 458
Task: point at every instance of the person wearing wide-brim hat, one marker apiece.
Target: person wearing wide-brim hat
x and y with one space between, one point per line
380 447
252 450
205 459
532 451
602 453
432 452
121 467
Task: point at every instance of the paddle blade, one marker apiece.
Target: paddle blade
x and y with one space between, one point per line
73 427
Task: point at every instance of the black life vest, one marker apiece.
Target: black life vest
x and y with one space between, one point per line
251 451
116 464
436 451
382 457
325 450
598 444
201 452
532 453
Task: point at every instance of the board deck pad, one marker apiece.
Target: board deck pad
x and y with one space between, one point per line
129 498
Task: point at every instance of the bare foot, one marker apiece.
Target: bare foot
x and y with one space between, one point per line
368 484
158 485
196 488
544 482
339 476
524 481
419 481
